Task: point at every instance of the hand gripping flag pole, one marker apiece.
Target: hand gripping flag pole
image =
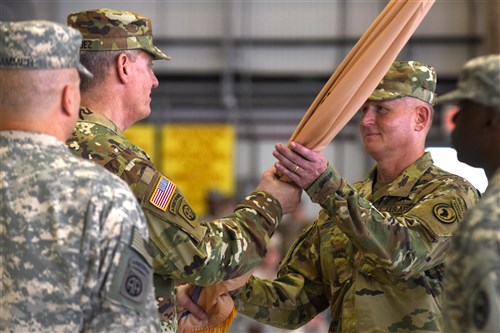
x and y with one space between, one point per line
343 94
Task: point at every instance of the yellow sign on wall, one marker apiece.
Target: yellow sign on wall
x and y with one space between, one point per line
199 158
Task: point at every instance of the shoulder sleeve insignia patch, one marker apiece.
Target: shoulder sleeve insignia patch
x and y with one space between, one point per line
163 193
174 203
187 213
445 213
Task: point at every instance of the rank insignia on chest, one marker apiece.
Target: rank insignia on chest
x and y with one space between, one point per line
163 193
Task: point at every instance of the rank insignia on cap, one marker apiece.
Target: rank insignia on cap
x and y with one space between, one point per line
163 193
445 213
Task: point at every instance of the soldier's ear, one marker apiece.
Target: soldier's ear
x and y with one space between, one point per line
68 100
123 68
423 117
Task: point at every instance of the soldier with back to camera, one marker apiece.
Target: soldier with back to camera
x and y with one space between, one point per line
73 239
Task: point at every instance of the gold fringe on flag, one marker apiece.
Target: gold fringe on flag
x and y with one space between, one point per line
216 303
220 327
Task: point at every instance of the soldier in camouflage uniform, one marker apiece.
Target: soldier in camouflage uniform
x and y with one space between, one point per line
375 254
73 239
118 48
472 279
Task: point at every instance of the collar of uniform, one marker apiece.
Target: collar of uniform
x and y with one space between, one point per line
91 116
38 138
404 183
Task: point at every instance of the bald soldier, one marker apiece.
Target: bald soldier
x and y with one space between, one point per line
118 48
73 239
376 253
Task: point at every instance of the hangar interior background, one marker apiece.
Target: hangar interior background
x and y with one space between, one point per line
256 66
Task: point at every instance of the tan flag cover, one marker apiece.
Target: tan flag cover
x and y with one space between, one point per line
345 92
360 72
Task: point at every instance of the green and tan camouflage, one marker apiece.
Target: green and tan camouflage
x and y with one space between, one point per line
73 243
472 289
407 78
375 259
40 44
106 29
186 249
479 82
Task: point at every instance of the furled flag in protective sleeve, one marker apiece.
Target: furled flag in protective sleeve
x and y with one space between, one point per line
360 72
345 92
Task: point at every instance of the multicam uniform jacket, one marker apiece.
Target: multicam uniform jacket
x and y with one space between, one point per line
376 258
472 289
185 248
73 255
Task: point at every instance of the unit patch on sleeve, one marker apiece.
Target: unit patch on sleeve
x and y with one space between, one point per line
174 203
163 193
445 213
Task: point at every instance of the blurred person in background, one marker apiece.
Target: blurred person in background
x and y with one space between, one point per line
472 280
218 205
292 226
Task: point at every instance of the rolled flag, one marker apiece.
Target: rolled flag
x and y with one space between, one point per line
341 97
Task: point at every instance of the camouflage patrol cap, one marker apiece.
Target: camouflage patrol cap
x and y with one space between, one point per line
479 81
107 29
407 78
40 44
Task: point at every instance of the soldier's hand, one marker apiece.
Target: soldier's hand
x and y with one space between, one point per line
287 194
185 305
299 163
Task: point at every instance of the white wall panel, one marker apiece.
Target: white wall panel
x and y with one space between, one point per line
288 60
287 19
186 59
447 18
448 65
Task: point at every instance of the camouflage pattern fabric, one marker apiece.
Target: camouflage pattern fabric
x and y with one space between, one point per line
106 29
472 288
479 81
407 78
376 258
185 248
73 255
40 44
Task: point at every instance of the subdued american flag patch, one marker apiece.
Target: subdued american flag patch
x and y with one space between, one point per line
163 193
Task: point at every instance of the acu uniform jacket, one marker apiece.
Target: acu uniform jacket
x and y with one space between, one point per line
185 249
375 257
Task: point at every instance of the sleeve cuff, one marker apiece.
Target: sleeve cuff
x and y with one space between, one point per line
265 204
327 183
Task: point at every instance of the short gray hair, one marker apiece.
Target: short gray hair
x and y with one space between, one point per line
99 62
